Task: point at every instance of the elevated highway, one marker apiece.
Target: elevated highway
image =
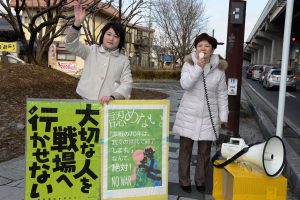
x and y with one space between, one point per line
264 44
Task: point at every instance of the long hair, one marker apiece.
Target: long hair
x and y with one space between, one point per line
118 28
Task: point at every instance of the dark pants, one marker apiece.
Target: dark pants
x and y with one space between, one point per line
185 154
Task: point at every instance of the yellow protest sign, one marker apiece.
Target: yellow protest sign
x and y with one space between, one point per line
62 150
8 46
80 150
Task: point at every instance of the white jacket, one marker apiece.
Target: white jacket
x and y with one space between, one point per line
192 119
104 73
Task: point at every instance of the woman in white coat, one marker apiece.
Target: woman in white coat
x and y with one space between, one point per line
193 121
106 74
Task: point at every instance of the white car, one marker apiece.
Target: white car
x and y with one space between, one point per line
256 71
12 59
266 69
272 79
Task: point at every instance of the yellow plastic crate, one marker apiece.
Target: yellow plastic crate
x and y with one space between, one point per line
239 183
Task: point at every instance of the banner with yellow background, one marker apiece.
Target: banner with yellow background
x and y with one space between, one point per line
68 141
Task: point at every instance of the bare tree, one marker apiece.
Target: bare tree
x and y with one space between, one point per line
161 46
47 20
131 13
180 21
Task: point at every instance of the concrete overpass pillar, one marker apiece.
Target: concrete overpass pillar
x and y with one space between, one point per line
252 50
275 38
275 33
260 55
267 54
294 56
276 50
252 53
259 52
266 49
255 57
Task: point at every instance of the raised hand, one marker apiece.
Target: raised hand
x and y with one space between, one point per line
79 13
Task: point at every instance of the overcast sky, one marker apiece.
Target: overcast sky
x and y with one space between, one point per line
217 11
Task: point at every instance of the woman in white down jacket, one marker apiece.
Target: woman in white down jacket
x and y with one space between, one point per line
193 121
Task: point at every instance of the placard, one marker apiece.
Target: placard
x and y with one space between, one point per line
80 150
62 150
135 148
8 46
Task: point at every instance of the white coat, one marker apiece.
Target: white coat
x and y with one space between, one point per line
192 119
104 73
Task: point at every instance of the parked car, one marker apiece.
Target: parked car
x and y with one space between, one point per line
249 71
247 66
12 59
256 71
266 69
272 79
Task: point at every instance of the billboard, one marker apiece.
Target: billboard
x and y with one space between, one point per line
168 58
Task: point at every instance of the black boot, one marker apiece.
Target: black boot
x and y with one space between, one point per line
200 188
187 188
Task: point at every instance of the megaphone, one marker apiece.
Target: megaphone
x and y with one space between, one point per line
268 156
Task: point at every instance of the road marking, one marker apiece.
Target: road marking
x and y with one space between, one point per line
287 94
286 120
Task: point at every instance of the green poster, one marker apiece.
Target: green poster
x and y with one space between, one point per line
135 150
134 145
62 150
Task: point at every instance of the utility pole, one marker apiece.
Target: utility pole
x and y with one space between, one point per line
284 65
120 10
149 35
234 57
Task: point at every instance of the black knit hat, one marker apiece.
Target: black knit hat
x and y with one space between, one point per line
204 36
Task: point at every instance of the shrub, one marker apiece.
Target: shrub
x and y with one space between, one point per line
152 73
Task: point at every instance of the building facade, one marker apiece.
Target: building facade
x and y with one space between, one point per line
137 47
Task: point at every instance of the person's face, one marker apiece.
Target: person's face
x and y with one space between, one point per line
205 47
111 40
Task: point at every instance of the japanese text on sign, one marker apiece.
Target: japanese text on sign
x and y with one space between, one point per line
8 46
136 157
62 150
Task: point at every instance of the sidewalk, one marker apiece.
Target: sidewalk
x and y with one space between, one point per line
12 172
249 130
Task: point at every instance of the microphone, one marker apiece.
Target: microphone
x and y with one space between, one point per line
201 55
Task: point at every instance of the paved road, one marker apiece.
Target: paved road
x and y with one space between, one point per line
268 102
292 101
